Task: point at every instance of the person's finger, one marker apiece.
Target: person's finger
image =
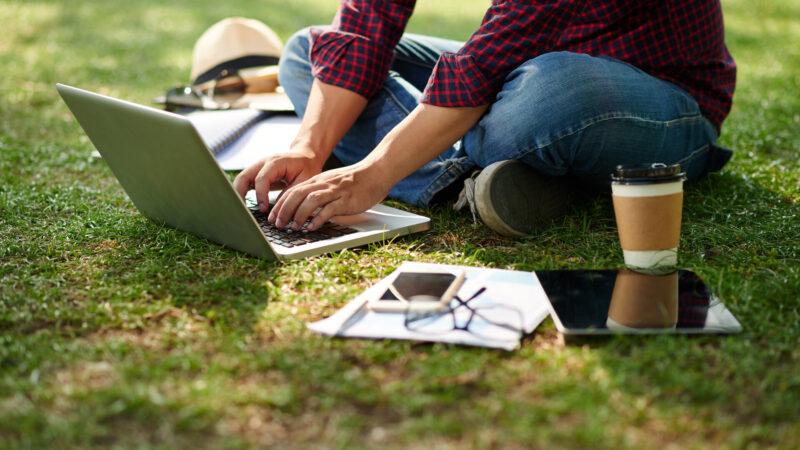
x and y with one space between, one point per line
279 202
244 181
313 201
269 174
286 189
287 205
276 206
324 214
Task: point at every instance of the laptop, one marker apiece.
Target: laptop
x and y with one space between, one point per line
172 178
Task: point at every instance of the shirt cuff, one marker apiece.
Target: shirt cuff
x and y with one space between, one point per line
458 81
348 60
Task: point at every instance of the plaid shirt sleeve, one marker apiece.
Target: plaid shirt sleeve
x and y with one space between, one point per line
512 32
356 52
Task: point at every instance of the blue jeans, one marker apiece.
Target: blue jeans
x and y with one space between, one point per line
562 113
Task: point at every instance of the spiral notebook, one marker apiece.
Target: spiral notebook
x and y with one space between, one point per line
220 129
240 137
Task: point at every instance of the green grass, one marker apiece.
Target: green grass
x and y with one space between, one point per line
115 332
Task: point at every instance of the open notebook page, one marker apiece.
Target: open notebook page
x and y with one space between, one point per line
218 129
271 135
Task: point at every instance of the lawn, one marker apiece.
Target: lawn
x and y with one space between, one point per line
116 332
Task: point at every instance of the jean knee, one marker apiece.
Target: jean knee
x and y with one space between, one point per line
294 70
546 102
536 100
294 57
298 43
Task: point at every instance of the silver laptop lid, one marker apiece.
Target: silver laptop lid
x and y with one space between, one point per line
166 170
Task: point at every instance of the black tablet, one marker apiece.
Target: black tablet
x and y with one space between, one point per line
598 302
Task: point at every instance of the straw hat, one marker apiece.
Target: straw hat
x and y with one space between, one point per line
233 44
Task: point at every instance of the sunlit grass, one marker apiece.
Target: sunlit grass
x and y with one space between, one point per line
117 332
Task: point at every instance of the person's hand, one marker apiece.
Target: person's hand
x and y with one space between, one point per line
339 192
275 172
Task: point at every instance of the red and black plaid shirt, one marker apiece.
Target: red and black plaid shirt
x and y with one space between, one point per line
681 41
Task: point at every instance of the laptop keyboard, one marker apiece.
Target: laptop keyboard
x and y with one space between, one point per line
290 238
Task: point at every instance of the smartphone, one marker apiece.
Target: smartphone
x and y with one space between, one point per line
418 292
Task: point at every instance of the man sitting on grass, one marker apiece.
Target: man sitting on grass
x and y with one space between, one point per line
544 96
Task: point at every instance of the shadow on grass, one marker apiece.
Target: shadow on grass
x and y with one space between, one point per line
223 285
100 265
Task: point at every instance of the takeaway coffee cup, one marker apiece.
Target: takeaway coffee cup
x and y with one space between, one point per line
641 300
648 202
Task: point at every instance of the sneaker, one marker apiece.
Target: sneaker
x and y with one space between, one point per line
514 200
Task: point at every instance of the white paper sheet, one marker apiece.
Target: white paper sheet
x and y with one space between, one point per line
269 136
511 298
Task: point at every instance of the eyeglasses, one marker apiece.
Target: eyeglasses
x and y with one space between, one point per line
218 94
480 317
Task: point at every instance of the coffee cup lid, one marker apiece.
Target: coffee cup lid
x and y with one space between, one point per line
648 173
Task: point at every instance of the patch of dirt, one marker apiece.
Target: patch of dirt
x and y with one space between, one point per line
160 331
85 376
106 245
254 424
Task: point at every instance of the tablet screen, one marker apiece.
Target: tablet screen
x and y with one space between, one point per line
625 301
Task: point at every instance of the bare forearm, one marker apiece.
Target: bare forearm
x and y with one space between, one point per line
330 112
420 137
